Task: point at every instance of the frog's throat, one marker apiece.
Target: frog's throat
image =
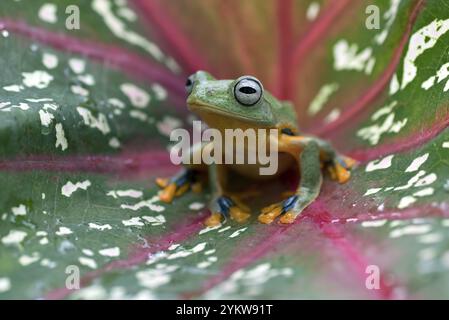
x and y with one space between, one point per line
202 109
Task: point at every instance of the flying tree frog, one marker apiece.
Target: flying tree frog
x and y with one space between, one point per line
244 104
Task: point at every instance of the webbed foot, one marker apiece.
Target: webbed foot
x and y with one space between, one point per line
178 185
224 207
284 208
340 168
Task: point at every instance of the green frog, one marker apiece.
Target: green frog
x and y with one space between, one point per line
244 104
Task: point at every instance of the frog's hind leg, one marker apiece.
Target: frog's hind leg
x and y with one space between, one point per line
307 192
340 168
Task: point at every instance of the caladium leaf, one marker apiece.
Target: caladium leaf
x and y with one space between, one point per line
85 116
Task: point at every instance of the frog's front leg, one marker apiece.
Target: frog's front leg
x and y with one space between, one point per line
307 192
176 186
223 206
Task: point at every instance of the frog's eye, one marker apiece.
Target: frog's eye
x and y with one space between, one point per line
189 84
248 91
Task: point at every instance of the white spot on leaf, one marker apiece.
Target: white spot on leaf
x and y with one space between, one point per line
26 260
118 28
100 227
37 79
133 222
88 262
125 193
372 191
88 252
145 204
346 57
196 206
139 98
406 201
63 231
14 237
110 252
159 91
49 60
322 97
417 163
13 88
5 284
79 90
389 16
20 210
237 232
422 40
374 223
100 123
77 65
46 117
47 13
410 230
168 124
155 221
312 11
114 143
61 140
379 164
70 187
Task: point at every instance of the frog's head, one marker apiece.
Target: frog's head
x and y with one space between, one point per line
243 100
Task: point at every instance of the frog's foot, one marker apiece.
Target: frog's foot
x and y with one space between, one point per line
284 208
340 168
224 207
178 185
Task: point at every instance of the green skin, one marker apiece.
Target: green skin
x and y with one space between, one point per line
215 102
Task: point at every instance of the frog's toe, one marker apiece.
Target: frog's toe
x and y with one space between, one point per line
162 182
342 174
177 185
168 193
270 213
340 170
288 217
213 220
349 162
238 214
224 207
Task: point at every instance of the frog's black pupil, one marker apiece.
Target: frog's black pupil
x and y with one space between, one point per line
247 90
188 83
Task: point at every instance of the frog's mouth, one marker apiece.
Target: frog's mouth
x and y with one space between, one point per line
203 109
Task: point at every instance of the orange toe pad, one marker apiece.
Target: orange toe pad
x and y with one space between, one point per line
287 218
238 214
168 193
213 220
269 214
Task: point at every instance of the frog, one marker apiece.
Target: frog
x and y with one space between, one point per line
243 103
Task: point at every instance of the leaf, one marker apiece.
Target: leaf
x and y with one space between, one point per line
84 122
